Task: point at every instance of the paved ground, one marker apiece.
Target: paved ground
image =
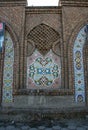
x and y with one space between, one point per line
63 124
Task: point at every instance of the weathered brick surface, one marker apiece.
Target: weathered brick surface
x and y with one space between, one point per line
67 20
74 18
14 17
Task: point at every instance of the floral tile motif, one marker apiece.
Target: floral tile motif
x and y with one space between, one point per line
78 66
8 70
43 71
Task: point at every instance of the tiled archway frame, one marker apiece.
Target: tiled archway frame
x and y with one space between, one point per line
12 33
76 62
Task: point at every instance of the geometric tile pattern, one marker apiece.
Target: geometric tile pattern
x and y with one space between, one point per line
44 71
43 36
8 69
78 66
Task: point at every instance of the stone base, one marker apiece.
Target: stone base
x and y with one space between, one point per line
47 102
28 108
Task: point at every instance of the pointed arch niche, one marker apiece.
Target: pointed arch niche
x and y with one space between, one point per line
9 66
43 58
78 61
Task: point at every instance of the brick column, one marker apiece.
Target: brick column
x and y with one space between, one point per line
66 66
21 49
1 75
85 58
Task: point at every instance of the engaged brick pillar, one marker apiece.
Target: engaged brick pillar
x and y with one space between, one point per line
85 55
22 55
1 75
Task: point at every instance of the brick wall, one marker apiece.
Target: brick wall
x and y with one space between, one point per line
67 20
51 16
13 14
74 18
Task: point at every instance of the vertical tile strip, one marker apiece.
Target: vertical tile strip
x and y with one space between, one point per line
78 66
8 70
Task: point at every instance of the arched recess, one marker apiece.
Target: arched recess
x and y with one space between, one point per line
76 62
43 48
9 65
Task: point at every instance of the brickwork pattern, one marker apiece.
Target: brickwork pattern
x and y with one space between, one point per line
74 18
14 17
66 20
50 19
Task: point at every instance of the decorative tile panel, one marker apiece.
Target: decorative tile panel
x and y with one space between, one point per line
43 71
78 66
8 69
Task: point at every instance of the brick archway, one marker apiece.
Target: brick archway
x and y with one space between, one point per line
72 51
46 41
14 40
